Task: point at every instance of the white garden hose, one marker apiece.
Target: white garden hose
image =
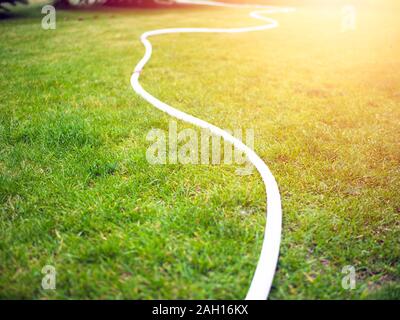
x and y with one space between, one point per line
263 276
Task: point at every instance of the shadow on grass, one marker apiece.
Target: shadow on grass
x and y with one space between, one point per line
22 11
34 10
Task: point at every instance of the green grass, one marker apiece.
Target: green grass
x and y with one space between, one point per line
77 192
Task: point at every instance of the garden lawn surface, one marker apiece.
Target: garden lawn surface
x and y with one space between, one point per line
77 192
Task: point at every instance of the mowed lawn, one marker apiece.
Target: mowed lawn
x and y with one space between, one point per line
77 192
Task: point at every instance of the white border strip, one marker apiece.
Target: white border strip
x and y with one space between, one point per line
263 276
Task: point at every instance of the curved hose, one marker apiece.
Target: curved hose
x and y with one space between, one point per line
263 276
